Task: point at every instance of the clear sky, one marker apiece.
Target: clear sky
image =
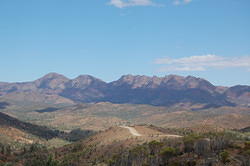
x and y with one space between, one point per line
110 38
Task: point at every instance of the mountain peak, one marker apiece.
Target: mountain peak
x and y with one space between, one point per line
84 81
136 81
51 81
173 76
53 75
85 77
131 77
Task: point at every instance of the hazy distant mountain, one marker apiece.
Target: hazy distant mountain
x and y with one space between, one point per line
162 91
168 90
169 82
239 94
51 83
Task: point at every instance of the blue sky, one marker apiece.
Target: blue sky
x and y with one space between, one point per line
110 38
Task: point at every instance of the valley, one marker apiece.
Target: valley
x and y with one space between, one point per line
100 116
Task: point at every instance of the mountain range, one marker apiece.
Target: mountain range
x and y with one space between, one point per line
158 91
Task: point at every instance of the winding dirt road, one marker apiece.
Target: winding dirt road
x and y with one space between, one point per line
132 130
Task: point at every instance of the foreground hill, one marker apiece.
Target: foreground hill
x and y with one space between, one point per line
43 132
102 146
16 137
147 146
17 134
158 91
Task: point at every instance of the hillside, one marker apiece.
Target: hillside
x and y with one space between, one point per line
16 137
16 133
36 130
120 146
138 145
137 133
105 144
158 91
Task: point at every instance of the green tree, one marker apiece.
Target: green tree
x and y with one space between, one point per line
167 153
51 161
224 157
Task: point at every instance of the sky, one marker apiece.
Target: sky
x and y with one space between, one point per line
111 38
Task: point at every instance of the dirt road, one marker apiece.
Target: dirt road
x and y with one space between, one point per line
132 130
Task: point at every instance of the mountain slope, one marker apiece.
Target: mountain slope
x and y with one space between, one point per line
40 131
84 88
163 91
51 82
13 130
117 147
239 95
159 91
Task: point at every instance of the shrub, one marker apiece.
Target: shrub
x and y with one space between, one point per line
247 152
41 160
155 143
224 157
247 145
190 163
202 146
189 142
51 161
167 153
154 147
